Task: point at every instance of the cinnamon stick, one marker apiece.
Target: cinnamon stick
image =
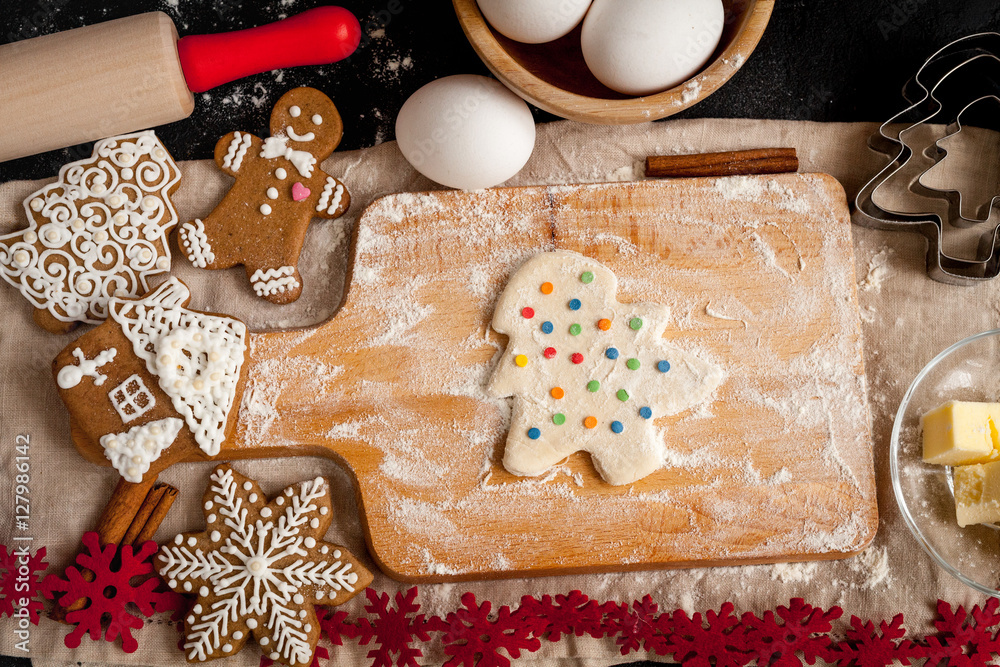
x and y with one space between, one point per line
142 516
158 514
729 163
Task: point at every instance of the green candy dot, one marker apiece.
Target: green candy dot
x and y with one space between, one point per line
622 395
633 364
586 277
575 329
635 323
593 386
558 419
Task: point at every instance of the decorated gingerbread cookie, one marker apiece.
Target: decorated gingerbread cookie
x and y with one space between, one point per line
260 568
154 378
99 231
588 373
261 223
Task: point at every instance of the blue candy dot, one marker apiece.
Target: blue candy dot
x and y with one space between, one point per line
547 327
617 427
534 433
645 413
663 366
574 304
611 353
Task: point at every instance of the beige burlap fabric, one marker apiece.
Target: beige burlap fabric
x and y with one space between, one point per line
907 319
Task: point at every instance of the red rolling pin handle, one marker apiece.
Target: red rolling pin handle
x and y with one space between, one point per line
315 37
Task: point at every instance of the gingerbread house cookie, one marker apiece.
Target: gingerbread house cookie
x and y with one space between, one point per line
99 231
261 222
154 378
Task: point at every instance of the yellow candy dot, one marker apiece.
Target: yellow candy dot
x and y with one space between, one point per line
521 360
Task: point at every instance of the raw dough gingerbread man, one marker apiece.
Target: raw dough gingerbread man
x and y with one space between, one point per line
261 222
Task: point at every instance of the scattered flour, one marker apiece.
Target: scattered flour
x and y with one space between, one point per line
878 271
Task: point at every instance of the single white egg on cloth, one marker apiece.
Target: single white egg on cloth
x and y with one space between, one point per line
466 131
641 47
534 21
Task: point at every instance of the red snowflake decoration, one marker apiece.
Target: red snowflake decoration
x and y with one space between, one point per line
109 593
473 640
394 630
636 626
335 626
963 641
21 579
573 614
720 644
866 646
804 628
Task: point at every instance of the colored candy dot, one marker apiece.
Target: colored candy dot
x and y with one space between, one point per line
604 324
593 386
576 358
645 413
547 327
527 312
549 352
622 395
534 433
546 288
663 366
521 360
586 277
611 353
575 329
557 392
633 364
590 422
617 426
574 304
635 323
558 419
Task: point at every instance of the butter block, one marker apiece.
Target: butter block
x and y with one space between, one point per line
961 433
977 493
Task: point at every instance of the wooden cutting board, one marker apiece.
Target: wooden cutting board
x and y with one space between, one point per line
759 275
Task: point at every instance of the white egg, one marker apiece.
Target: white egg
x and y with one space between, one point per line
640 47
466 131
534 21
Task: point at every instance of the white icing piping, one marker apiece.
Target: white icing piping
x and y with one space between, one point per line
238 148
132 452
194 243
334 188
308 136
273 281
71 375
275 147
98 231
126 399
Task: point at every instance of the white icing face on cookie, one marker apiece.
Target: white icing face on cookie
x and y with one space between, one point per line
588 373
309 120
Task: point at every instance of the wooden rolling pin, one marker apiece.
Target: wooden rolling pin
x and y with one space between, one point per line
133 73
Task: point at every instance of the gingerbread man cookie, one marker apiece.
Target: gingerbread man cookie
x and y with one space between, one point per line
260 568
155 377
261 222
99 231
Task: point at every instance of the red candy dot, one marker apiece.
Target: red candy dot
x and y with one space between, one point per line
549 352
528 312
576 358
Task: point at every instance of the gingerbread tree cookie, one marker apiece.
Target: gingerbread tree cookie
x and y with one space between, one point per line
260 568
588 373
154 376
99 231
261 222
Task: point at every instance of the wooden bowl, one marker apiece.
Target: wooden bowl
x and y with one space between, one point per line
554 76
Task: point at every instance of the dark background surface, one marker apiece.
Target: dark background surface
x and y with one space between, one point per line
836 60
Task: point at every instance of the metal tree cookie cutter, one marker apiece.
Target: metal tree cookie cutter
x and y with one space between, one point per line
940 92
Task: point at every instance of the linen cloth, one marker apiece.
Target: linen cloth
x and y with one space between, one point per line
907 319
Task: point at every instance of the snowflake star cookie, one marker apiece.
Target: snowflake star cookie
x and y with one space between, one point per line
261 223
260 568
588 373
154 376
99 231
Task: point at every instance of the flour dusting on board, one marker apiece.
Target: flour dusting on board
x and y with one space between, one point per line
788 424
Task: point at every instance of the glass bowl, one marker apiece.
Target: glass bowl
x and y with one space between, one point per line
969 370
